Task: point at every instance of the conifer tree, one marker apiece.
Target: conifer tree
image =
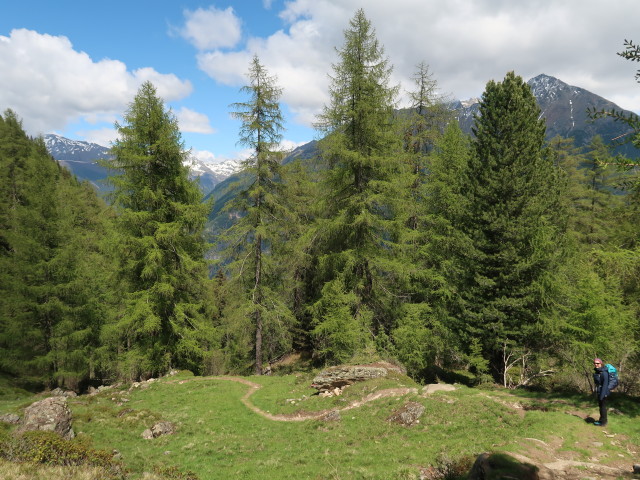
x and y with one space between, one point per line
353 255
28 240
53 269
599 200
438 254
421 127
258 233
160 245
513 218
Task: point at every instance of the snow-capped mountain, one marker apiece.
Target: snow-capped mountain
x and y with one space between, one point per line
564 108
82 159
211 174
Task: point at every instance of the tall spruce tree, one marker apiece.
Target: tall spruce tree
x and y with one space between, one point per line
355 266
258 233
513 218
160 244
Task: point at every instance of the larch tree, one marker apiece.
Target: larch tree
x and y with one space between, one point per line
355 266
263 212
513 220
160 245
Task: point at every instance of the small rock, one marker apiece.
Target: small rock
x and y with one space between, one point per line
501 466
408 415
58 392
332 416
159 429
11 418
163 428
338 377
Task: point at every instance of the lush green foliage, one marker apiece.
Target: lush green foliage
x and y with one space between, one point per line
496 256
159 245
50 449
513 221
54 266
354 266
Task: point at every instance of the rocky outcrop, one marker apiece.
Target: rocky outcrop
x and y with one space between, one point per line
409 414
339 377
51 414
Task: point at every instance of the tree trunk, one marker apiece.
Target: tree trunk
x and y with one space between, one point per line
257 301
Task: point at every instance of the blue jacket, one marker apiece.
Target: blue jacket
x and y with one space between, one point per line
601 381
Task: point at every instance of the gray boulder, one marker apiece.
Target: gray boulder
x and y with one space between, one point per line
51 414
10 418
338 377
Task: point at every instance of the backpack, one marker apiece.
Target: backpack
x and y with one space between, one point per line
613 376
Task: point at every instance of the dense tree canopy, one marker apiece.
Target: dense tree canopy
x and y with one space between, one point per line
499 255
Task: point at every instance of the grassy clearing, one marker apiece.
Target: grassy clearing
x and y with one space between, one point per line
218 437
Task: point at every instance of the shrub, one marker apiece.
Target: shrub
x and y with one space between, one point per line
50 449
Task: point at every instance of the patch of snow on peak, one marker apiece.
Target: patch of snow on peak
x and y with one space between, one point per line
545 85
469 102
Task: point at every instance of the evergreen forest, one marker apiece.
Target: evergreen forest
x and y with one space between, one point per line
496 257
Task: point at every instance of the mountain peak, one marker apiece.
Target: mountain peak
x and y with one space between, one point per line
81 158
547 86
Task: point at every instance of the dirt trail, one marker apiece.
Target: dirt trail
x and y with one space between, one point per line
553 461
302 416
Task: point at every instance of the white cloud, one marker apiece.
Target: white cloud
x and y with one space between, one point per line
101 136
49 84
466 43
204 156
211 28
192 121
290 145
227 68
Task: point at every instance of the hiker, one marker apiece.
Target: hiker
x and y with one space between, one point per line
601 380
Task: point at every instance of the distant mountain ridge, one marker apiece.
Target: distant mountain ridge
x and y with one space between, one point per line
563 106
82 159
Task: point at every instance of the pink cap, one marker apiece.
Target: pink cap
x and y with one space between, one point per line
597 360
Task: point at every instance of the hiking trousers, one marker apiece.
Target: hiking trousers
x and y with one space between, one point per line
603 411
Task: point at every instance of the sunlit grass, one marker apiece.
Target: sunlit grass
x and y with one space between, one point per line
219 437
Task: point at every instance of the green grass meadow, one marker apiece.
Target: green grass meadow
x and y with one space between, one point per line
219 437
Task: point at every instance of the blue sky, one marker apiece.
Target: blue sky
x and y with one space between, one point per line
71 67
